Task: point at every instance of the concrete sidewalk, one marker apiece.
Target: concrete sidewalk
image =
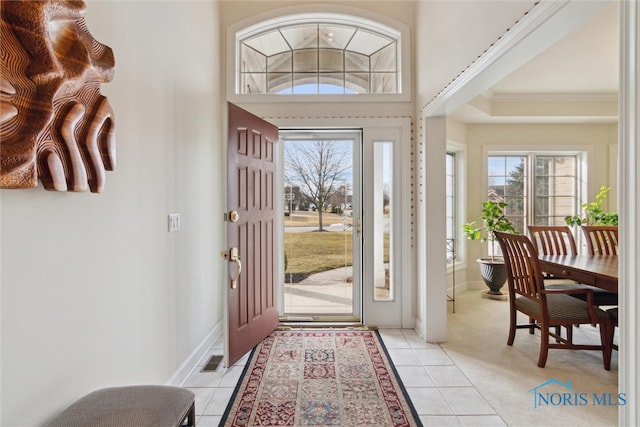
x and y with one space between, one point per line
328 292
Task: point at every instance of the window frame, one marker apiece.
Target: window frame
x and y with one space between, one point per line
460 197
297 14
582 173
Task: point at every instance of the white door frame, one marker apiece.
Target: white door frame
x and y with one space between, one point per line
379 129
327 134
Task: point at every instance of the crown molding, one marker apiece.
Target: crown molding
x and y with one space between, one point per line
557 97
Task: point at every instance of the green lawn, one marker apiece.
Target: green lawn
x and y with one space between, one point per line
312 252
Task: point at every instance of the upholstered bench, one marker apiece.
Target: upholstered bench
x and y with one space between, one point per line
131 406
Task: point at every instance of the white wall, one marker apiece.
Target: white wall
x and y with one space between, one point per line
453 34
448 41
95 291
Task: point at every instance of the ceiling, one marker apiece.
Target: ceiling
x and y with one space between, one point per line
574 80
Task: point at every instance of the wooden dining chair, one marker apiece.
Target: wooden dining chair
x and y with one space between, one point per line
548 309
601 239
611 329
559 240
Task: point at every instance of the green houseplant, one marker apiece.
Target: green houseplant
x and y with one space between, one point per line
492 268
594 213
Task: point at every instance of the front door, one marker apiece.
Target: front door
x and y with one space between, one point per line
252 312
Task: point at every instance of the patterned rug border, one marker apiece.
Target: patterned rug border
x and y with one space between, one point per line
379 339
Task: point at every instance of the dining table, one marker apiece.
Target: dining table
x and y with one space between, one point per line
595 270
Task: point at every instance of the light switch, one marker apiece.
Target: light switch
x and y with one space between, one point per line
174 222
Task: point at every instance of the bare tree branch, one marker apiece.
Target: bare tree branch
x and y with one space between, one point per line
317 167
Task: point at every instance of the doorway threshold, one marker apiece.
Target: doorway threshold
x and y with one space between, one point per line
324 319
289 322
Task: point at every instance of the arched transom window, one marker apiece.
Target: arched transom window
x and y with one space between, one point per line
316 54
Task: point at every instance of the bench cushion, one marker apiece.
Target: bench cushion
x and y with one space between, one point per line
130 406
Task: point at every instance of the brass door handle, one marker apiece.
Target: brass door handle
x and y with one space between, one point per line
232 256
234 281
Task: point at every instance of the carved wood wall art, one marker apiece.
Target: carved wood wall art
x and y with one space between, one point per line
54 123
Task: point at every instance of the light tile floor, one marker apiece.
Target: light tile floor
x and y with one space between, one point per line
440 392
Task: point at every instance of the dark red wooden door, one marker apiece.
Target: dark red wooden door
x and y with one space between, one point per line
251 300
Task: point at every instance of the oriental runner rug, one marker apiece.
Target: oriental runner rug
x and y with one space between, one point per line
317 377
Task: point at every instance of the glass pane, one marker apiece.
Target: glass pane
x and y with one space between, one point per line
507 178
251 60
449 222
564 186
383 83
302 36
384 59
253 83
555 188
514 163
356 62
450 197
305 60
331 60
280 83
280 63
367 42
331 83
382 221
496 166
449 185
357 82
544 185
305 83
268 43
318 235
335 36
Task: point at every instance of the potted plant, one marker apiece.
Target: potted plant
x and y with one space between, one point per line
492 268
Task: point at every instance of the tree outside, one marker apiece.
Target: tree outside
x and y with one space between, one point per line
319 170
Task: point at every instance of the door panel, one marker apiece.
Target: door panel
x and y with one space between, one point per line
251 299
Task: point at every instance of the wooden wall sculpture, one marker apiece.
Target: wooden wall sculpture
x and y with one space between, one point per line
54 123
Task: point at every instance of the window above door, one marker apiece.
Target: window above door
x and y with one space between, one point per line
319 57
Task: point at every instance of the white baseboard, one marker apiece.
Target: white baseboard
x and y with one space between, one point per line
460 287
192 362
418 327
479 285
